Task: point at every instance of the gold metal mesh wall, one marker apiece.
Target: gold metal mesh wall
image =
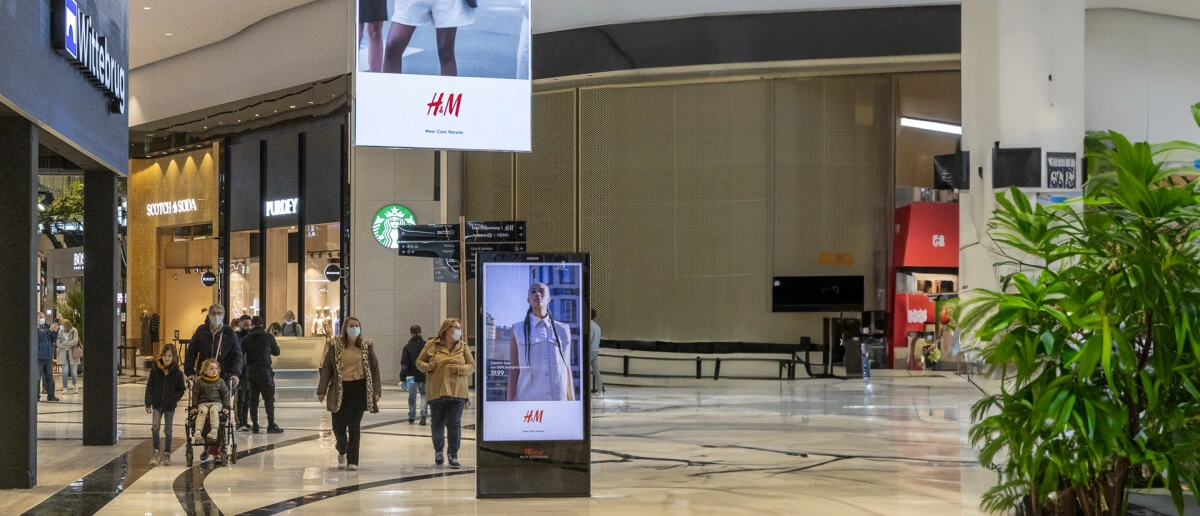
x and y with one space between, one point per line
598 197
488 186
546 178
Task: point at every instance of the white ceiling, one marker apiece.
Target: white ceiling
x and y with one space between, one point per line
191 23
197 23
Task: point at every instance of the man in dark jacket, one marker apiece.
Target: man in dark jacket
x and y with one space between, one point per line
259 347
214 339
242 328
408 367
47 335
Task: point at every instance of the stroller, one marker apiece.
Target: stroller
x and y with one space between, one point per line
224 448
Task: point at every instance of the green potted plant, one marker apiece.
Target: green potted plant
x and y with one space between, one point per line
1096 333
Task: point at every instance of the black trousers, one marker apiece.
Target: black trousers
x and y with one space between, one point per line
243 400
347 421
262 383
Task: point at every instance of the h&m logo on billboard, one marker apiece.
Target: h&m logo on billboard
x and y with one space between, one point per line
533 416
445 105
75 38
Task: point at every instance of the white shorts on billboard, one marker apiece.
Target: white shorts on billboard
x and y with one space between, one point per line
443 74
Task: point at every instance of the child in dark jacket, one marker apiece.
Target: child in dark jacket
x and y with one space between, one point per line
211 396
164 389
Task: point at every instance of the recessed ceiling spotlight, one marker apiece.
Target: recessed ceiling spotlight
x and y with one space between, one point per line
239 121
256 114
293 107
310 102
145 8
206 127
168 34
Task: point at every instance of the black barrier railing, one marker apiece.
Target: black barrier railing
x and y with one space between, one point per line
128 356
786 369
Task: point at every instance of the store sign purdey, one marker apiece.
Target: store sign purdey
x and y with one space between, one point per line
282 207
74 37
171 208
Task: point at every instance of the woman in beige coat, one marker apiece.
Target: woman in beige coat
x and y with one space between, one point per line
351 370
448 366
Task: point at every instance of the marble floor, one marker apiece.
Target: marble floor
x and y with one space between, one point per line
895 447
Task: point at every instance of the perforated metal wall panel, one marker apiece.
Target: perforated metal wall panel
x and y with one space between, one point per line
598 199
546 184
488 187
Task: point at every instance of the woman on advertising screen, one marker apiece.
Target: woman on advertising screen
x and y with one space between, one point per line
445 15
542 348
448 366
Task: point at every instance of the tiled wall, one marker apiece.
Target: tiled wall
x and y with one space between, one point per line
389 293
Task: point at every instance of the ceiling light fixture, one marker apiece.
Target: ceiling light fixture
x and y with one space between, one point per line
168 34
310 102
930 125
145 8
293 107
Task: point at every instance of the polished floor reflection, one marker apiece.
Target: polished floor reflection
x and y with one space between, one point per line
896 446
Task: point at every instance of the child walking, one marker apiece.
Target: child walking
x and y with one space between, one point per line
211 395
164 389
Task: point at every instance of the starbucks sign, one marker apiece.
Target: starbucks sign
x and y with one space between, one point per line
387 224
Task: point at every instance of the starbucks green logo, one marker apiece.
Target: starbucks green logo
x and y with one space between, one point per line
387 224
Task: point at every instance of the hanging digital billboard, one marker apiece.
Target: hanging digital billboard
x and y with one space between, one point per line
443 74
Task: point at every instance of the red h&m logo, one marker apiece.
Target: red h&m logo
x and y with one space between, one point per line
451 105
533 416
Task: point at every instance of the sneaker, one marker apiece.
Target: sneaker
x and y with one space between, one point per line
352 467
341 461
454 463
411 420
154 459
212 436
243 428
254 429
422 420
438 458
166 460
274 429
52 399
204 454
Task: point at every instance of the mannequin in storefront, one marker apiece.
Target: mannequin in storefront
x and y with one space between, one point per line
318 324
337 321
144 345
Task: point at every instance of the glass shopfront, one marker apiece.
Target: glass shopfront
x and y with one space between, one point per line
285 199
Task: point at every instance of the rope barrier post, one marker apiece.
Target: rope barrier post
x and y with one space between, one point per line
717 369
699 368
626 366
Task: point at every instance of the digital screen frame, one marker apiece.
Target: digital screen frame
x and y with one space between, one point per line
441 74
533 428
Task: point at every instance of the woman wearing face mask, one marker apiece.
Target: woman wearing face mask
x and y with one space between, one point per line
351 371
68 356
290 327
448 365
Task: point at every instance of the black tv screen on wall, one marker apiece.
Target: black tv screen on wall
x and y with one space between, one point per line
818 294
1019 167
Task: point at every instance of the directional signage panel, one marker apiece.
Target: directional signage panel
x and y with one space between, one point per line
496 231
429 233
445 250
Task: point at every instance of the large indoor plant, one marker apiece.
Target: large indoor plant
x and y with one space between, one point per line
1095 331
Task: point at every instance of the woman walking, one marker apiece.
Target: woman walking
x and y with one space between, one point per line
351 371
448 365
69 354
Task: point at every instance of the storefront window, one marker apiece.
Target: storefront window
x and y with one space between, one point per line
283 281
244 273
322 298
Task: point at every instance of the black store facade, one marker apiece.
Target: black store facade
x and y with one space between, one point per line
62 94
284 223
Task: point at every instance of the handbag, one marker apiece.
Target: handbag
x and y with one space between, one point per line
77 352
472 3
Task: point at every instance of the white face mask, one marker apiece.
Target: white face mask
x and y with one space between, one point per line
216 319
42 321
457 335
354 332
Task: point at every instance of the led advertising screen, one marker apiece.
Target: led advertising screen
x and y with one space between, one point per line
443 74
532 357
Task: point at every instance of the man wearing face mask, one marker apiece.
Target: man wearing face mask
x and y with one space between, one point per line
214 339
46 336
541 354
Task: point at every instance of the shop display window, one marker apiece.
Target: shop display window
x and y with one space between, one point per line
245 268
322 298
283 282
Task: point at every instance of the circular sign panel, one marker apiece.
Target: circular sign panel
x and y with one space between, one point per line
208 279
387 224
333 272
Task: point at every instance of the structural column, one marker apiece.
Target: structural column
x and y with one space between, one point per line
100 330
1022 86
18 280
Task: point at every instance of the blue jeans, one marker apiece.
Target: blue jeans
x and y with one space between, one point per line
70 368
447 418
160 417
412 400
47 370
